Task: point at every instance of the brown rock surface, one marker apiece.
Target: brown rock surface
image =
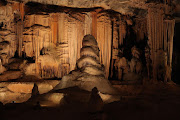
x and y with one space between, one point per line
10 75
90 73
44 87
8 96
20 87
126 5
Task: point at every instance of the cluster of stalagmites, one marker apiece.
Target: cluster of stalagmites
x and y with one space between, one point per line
89 73
129 71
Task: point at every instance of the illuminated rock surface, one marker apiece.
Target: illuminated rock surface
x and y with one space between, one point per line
49 37
135 49
90 73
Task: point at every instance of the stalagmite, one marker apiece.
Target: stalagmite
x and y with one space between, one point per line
88 74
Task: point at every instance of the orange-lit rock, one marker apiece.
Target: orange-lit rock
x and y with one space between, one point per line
10 75
8 96
20 87
89 73
49 39
2 68
44 87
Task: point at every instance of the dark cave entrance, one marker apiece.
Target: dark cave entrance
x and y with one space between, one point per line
176 55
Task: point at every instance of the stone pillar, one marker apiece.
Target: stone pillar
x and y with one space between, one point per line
20 27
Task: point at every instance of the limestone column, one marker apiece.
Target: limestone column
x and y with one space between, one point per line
88 23
94 23
54 27
114 44
20 28
104 39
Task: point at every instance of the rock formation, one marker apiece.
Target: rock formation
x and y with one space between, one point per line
135 63
125 41
49 37
2 68
89 72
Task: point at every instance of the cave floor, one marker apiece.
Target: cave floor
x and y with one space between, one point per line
144 102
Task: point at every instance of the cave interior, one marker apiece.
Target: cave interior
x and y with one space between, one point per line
104 54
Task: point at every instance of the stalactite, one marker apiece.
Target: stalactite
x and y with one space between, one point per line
165 36
33 19
162 31
61 28
64 45
20 28
8 33
94 23
122 30
63 48
36 37
88 24
160 34
29 20
104 39
140 28
154 25
19 7
115 39
74 37
72 43
71 32
114 44
22 12
54 27
169 29
80 35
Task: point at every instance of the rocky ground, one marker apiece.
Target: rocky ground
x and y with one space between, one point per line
156 101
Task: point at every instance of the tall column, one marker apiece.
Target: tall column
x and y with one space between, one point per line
94 23
21 9
104 39
20 28
88 24
54 27
114 44
160 35
122 31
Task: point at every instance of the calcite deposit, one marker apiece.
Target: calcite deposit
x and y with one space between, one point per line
89 73
49 37
87 43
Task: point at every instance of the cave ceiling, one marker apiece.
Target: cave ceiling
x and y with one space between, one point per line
127 7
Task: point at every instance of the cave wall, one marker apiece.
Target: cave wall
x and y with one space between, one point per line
160 35
52 36
63 34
